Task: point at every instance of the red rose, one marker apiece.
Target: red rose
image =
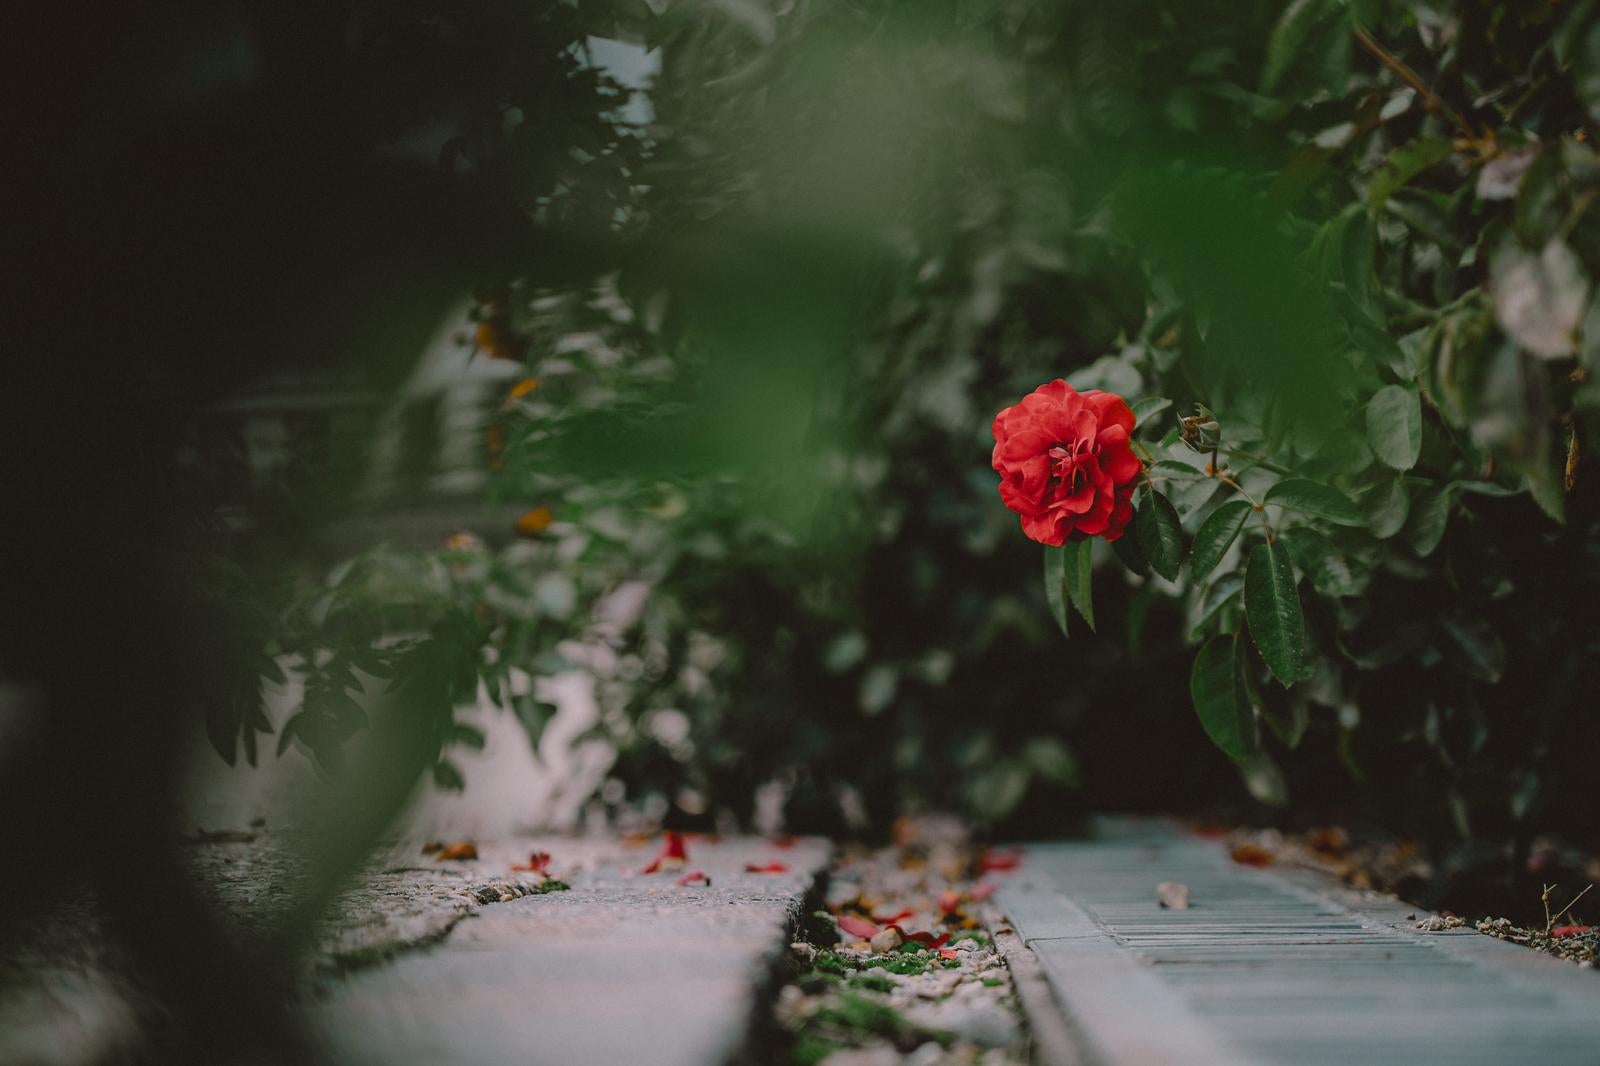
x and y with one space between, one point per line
1065 464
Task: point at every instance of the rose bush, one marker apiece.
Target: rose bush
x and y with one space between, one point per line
1065 463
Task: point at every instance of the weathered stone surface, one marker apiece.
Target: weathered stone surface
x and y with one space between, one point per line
1275 965
622 968
424 961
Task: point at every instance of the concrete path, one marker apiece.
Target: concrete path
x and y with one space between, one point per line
1275 966
623 968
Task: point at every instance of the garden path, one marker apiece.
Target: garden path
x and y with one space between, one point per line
1274 965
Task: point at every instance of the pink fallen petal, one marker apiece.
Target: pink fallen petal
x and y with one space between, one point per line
1561 932
857 927
981 891
693 877
769 868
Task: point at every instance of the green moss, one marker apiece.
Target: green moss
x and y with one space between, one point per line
992 982
875 982
810 1050
815 983
910 965
952 964
822 929
910 947
975 935
828 962
550 885
861 1014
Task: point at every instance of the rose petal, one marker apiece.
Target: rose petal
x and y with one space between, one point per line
857 927
992 860
693 877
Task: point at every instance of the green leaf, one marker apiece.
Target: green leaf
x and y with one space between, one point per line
447 777
1475 647
1055 585
1272 610
1264 780
1172 468
1394 426
1385 506
1329 570
1224 591
1155 523
1294 30
1051 760
1216 685
1310 497
1288 724
1077 577
1405 163
1216 534
1127 549
1148 408
1430 512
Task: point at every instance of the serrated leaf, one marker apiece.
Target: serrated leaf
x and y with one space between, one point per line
1394 426
1078 578
1216 685
1385 506
1291 34
1405 163
1430 512
1288 724
1313 498
1156 525
447 777
1216 534
1126 548
1055 586
1474 645
1148 408
1329 570
1223 591
1174 469
1272 611
1051 760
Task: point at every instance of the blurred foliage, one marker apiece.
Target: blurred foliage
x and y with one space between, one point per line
1341 250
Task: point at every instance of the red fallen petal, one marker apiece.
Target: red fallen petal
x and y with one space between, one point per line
1561 932
464 851
857 927
1252 855
998 860
538 863
693 877
893 919
673 854
949 901
982 891
769 868
925 938
1209 830
949 953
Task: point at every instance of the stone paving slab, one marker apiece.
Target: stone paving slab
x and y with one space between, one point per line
622 968
1275 966
428 961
